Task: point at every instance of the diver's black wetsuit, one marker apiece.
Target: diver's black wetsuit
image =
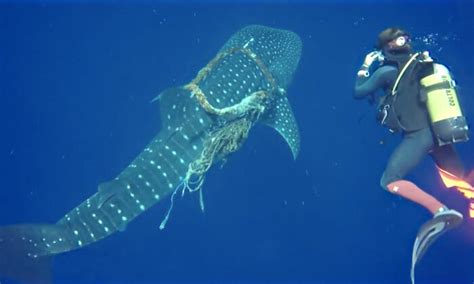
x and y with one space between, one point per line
418 140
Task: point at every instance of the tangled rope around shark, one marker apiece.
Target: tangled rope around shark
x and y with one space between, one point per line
220 143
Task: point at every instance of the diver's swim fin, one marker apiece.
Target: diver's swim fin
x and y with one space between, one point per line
429 232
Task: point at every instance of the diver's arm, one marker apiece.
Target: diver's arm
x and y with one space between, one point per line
368 85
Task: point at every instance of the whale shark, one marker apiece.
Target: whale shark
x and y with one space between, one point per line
203 122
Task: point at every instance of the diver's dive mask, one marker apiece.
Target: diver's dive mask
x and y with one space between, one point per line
399 41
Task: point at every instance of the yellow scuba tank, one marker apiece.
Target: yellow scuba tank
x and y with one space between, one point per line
447 121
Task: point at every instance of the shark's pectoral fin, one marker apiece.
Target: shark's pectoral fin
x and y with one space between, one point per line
281 118
170 95
177 108
172 101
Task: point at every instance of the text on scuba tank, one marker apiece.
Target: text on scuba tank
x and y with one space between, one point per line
450 95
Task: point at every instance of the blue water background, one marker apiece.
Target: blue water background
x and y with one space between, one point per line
76 82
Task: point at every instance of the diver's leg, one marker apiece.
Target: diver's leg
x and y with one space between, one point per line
406 156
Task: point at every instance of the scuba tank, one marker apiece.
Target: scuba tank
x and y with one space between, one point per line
447 121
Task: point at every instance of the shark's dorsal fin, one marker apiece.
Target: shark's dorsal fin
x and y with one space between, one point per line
107 191
281 118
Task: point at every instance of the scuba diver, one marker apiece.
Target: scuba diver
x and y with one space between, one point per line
419 101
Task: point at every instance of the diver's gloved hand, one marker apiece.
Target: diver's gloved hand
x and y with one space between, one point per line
370 58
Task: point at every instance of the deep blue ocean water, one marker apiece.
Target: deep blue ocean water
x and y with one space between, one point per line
76 80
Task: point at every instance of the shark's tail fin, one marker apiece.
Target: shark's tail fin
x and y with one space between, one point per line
26 251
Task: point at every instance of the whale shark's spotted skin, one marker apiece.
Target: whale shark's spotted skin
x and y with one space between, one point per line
162 165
